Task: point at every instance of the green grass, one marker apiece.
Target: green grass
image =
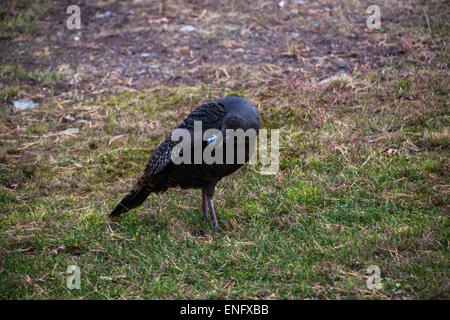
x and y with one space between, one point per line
21 16
339 204
363 180
18 73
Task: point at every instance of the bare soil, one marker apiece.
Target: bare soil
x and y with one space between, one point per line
125 45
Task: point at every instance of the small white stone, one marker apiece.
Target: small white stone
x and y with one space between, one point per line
71 130
188 28
68 118
24 104
104 15
339 76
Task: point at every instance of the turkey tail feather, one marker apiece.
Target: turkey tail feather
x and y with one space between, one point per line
134 198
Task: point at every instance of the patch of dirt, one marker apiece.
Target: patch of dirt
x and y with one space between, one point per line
134 44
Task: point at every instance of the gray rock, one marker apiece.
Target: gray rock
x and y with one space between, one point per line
68 118
188 28
104 15
71 130
339 76
24 104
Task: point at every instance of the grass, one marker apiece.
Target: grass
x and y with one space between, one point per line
340 203
363 180
21 16
18 73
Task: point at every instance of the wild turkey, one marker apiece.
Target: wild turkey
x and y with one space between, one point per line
162 173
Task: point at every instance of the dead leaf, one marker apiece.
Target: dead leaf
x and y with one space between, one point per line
63 247
390 152
406 42
158 21
201 16
14 186
18 129
19 39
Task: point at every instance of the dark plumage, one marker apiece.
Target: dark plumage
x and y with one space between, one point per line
161 173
